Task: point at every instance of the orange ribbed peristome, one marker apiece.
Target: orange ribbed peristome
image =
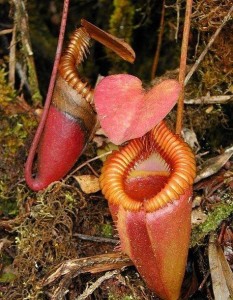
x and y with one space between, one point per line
175 152
73 56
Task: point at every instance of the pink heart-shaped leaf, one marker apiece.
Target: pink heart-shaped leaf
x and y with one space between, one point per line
126 111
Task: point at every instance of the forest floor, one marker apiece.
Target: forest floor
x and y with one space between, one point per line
61 243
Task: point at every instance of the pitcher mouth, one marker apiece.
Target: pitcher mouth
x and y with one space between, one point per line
149 172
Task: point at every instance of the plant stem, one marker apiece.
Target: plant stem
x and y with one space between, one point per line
159 44
32 151
183 59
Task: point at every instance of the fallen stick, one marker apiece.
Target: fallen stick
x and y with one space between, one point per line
210 100
92 264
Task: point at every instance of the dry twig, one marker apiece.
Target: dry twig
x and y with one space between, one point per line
6 31
90 289
12 58
97 239
86 163
94 264
21 24
183 58
225 99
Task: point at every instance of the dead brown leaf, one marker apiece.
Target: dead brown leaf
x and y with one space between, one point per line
88 183
213 165
221 274
198 216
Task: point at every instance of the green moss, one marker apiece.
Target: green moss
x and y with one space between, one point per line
15 124
106 230
7 92
45 239
7 207
121 25
121 21
220 213
7 273
7 277
33 81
